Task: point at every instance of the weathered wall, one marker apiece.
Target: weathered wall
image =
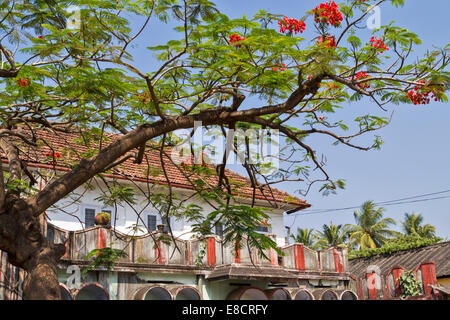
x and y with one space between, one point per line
126 217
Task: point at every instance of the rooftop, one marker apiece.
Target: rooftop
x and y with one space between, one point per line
438 253
72 147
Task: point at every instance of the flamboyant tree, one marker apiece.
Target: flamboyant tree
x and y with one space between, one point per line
84 80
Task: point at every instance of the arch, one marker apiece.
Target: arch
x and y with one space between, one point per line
303 295
329 295
153 293
248 293
187 293
92 291
278 294
65 292
348 295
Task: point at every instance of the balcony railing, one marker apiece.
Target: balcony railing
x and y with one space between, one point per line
207 252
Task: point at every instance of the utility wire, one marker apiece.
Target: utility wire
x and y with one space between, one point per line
385 203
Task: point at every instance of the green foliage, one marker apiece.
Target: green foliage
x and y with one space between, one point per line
116 195
240 227
105 257
201 254
307 237
412 225
333 236
371 229
409 285
86 80
403 242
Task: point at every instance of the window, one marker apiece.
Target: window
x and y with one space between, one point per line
110 214
264 226
263 229
219 229
165 222
89 217
151 222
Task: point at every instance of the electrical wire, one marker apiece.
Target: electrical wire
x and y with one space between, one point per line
384 203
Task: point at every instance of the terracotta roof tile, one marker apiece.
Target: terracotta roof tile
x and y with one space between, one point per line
149 170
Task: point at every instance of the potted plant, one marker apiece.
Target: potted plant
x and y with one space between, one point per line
102 218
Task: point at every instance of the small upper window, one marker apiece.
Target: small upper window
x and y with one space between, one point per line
151 222
89 217
263 229
264 226
219 229
110 214
166 222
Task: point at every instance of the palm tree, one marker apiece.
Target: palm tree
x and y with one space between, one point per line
371 229
333 235
412 225
305 236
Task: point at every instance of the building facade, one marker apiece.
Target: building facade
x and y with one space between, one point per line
171 263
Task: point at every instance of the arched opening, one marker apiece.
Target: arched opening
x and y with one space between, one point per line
303 295
329 295
157 293
249 293
187 294
92 291
278 294
349 295
65 293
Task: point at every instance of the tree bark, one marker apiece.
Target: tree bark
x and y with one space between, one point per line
27 248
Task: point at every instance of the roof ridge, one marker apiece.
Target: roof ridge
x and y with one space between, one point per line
61 140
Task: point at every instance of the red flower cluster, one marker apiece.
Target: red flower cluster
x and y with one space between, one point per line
328 13
265 223
327 41
330 85
378 44
53 155
24 82
362 75
236 38
279 67
292 25
421 94
57 155
143 96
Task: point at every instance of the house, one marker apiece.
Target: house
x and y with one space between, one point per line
164 260
430 264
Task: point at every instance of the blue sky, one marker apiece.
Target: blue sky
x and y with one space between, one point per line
416 152
415 156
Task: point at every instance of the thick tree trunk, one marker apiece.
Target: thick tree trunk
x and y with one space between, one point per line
27 248
42 282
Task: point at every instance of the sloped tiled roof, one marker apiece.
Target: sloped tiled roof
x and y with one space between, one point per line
149 170
438 253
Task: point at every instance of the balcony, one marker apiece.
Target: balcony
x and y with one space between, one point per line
209 256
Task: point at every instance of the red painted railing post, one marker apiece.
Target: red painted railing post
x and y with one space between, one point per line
299 256
211 249
237 254
338 265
